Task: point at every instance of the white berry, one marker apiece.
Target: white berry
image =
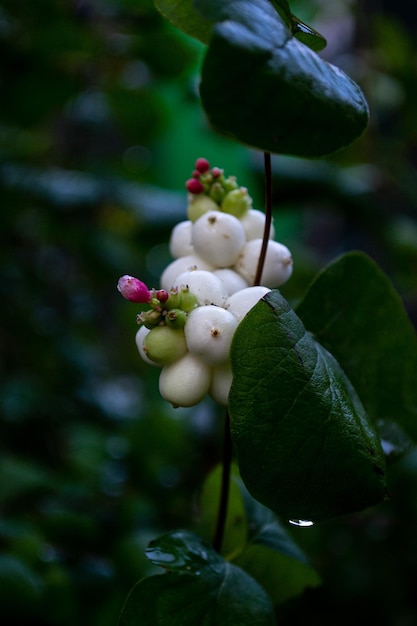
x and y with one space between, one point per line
233 281
253 223
242 301
277 267
140 339
209 332
207 288
218 238
180 240
185 382
181 265
221 381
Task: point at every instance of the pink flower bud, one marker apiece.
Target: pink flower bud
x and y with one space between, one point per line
133 289
202 165
194 186
216 172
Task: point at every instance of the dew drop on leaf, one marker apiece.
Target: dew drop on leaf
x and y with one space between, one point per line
302 523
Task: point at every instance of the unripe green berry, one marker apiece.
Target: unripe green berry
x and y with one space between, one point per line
199 205
217 193
173 301
142 333
150 318
164 345
185 382
237 202
176 318
188 301
230 183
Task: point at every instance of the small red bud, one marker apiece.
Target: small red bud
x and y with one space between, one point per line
162 295
202 165
194 186
196 174
216 172
133 289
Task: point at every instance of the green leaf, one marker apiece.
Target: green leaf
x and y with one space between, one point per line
209 591
182 15
263 87
304 444
255 540
308 35
354 311
273 558
236 531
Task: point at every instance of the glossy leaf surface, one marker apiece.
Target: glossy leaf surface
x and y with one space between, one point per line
354 311
205 589
304 444
263 87
272 557
255 540
182 14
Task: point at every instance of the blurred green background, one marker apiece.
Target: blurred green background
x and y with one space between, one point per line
100 125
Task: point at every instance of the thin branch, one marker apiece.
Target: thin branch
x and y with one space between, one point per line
227 442
268 217
224 493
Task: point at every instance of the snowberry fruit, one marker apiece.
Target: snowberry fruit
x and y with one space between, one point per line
233 281
209 332
199 205
180 240
242 301
181 265
237 202
253 223
164 345
176 318
185 382
278 263
218 238
207 288
188 300
140 342
221 381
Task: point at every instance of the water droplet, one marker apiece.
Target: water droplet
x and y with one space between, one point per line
302 523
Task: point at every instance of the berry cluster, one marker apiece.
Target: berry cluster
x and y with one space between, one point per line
206 290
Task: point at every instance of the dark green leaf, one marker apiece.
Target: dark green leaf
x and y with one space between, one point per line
304 444
272 557
208 591
307 35
255 540
236 531
354 311
182 15
263 87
